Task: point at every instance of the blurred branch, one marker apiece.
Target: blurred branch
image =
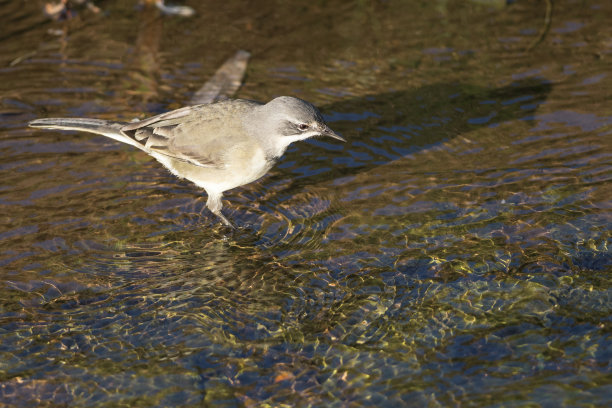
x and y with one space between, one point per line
225 82
546 28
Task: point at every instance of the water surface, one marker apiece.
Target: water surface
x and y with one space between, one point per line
454 252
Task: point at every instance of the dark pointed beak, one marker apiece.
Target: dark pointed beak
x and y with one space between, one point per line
326 131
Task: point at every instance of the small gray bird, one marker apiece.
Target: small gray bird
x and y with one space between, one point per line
217 146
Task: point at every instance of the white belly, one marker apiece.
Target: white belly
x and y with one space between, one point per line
243 168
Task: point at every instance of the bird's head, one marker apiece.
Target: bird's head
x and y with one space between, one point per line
296 119
286 119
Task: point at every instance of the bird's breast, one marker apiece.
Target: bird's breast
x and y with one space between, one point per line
251 165
242 164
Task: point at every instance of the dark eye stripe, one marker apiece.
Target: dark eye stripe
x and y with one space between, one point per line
289 129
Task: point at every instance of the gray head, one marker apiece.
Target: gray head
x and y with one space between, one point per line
285 120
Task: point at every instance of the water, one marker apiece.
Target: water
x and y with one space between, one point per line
454 252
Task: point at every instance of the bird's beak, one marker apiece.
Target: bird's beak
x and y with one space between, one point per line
326 131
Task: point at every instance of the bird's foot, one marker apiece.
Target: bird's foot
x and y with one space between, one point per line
223 219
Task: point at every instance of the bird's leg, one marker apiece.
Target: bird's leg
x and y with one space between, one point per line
214 204
219 214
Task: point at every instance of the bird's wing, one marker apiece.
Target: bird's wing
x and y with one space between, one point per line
199 134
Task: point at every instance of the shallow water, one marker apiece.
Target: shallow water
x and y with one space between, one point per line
454 252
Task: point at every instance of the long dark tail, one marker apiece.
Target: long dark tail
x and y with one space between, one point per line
98 126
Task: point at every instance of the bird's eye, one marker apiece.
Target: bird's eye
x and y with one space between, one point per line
303 126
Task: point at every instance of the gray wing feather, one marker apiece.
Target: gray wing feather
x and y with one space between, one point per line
195 134
199 134
159 120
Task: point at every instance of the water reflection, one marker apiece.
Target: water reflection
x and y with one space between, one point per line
142 63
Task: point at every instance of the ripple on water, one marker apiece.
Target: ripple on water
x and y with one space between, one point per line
455 249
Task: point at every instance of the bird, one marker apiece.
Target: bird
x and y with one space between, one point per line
217 146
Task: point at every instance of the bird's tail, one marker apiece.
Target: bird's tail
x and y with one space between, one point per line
98 126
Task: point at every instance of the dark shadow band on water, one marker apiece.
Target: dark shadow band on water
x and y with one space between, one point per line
382 128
